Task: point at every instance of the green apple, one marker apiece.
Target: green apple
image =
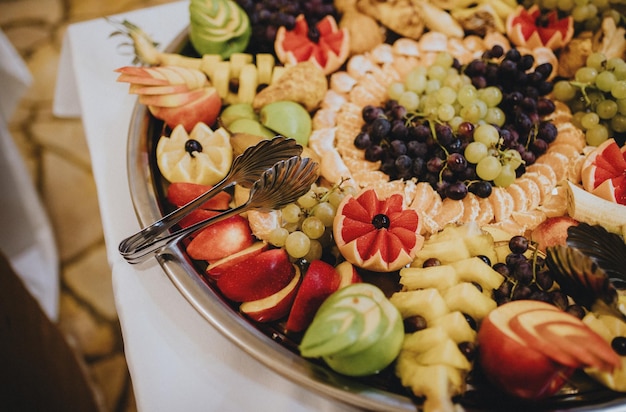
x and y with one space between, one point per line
287 118
251 127
237 111
332 331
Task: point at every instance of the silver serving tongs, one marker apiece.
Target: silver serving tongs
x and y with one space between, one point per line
278 186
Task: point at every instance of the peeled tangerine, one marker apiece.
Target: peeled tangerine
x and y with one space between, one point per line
603 172
381 235
203 156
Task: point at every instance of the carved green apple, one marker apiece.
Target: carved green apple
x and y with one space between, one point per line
250 126
287 118
237 111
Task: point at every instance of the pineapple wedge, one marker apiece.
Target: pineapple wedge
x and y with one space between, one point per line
466 298
427 303
439 277
456 327
476 270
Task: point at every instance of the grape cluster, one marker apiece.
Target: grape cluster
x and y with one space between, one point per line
587 14
267 16
597 97
463 128
307 224
530 278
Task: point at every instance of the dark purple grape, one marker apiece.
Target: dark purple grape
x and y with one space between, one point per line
414 323
521 292
547 131
538 147
476 68
466 131
529 105
528 157
399 130
192 145
456 162
416 149
619 345
512 259
502 269
441 187
485 259
526 62
545 69
558 299
444 134
544 88
468 349
373 153
371 113
518 244
403 163
435 164
420 133
512 55
481 189
576 310
398 112
431 262
523 272
544 280
418 167
456 191
470 320
379 128
398 147
545 106
479 82
362 141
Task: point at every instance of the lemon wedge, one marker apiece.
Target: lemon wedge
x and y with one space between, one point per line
203 156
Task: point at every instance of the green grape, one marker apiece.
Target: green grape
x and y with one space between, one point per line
307 200
432 86
446 95
410 100
444 59
335 197
614 63
488 168
350 190
395 90
596 135
506 176
278 236
325 212
618 90
579 13
445 112
594 97
586 75
605 81
471 113
467 94
297 244
475 152
313 227
589 120
565 5
618 123
453 79
550 4
595 60
486 134
437 73
415 80
292 227
576 119
291 213
455 122
564 91
491 95
606 109
621 106
315 251
496 116
482 107
512 157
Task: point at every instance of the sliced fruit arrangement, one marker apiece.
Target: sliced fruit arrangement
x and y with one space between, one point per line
203 156
176 95
377 234
530 29
324 44
604 172
529 349
357 331
442 304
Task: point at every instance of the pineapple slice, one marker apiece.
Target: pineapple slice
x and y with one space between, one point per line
475 270
466 298
439 277
447 251
456 327
482 244
427 303
608 327
446 353
425 339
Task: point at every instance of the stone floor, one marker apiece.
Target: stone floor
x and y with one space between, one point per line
55 152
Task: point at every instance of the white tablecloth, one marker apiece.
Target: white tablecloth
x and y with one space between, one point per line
177 361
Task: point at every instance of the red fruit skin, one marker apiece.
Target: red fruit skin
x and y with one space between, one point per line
278 306
218 268
257 277
517 369
320 281
196 216
221 239
552 231
181 193
204 109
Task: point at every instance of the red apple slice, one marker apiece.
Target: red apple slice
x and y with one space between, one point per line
320 281
157 90
181 193
257 277
275 306
221 239
218 268
205 109
552 231
172 100
348 274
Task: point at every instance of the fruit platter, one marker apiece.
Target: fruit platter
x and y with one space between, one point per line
462 245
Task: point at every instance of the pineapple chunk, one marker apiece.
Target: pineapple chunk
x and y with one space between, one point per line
425 339
475 270
440 277
608 327
456 326
438 383
598 326
614 324
237 61
248 83
481 245
446 353
265 63
427 303
446 251
466 298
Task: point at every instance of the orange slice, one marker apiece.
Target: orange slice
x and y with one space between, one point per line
502 203
451 212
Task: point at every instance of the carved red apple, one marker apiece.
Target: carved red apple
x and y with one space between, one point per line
218 268
552 231
527 348
257 277
530 28
221 239
275 306
204 108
